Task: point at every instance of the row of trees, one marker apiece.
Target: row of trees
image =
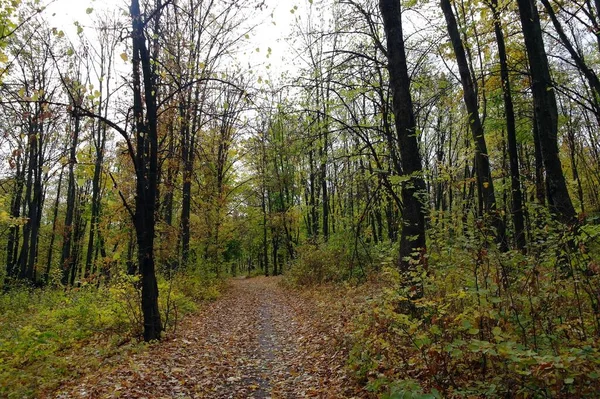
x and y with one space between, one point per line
366 114
75 132
401 117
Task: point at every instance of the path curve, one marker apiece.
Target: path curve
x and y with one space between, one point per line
257 341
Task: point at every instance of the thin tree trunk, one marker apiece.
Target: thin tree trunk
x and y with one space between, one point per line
511 133
485 182
12 244
53 236
99 142
540 180
66 261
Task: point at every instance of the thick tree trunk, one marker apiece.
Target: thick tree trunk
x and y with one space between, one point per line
412 238
546 112
147 172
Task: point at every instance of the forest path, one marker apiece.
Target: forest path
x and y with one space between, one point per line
258 341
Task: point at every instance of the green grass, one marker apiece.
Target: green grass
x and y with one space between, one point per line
51 335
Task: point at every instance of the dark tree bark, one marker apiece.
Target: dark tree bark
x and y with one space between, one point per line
412 238
187 155
511 133
12 244
95 241
66 261
33 198
313 215
546 112
146 163
99 144
578 59
53 236
485 182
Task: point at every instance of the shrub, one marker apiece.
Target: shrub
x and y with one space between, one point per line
318 264
50 335
489 324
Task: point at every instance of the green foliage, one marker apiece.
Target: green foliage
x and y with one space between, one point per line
321 263
47 336
489 324
38 327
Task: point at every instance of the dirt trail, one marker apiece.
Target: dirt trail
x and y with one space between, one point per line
258 341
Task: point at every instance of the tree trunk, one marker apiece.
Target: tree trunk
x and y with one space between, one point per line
412 238
99 143
146 162
485 182
511 133
589 74
546 112
540 180
12 244
66 260
53 236
187 156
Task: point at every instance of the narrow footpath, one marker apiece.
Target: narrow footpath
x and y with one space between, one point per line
257 341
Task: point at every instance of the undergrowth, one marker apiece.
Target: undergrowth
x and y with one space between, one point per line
489 324
338 260
48 336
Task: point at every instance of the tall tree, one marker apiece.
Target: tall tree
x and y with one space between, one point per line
485 183
107 43
511 131
145 113
412 239
546 112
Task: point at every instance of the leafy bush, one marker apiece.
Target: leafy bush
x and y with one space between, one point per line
50 335
489 324
318 264
39 326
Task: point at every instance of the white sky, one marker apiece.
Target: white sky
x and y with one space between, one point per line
270 32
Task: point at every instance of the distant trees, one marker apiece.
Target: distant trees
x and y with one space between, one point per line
30 126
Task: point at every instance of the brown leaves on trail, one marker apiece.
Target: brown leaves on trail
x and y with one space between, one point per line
258 341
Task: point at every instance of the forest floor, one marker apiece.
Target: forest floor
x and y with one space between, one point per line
260 340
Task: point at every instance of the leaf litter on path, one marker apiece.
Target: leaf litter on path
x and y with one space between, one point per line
258 341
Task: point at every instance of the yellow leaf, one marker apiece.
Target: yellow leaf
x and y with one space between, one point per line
124 57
